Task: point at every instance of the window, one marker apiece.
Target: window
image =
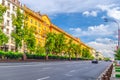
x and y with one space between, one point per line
26 18
8 22
39 31
8 14
7 31
12 40
12 30
31 20
3 2
8 5
44 28
13 8
35 22
39 25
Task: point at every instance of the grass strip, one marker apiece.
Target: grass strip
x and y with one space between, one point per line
117 70
117 67
117 75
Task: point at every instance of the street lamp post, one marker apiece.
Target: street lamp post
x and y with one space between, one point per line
113 20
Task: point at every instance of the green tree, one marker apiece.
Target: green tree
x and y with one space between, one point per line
3 37
77 50
29 38
70 48
39 49
117 55
107 59
86 53
2 11
59 43
50 43
17 21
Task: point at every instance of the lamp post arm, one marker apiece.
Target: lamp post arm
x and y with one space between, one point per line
118 32
117 24
115 21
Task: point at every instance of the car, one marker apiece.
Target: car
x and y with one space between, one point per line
95 61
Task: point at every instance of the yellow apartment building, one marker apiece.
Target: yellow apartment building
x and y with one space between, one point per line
43 25
39 22
57 30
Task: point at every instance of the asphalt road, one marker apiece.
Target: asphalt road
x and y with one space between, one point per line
64 70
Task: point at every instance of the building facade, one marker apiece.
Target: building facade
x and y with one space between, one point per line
7 26
41 24
83 46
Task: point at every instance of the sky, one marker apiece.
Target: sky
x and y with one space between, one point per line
84 19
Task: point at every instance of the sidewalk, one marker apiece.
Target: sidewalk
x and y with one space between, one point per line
35 60
113 77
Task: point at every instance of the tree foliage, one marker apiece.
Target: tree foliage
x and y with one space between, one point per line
17 21
2 11
3 37
76 50
29 38
86 53
59 43
50 42
70 48
117 55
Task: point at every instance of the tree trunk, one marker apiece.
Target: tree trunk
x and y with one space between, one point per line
76 57
69 57
46 58
16 48
24 56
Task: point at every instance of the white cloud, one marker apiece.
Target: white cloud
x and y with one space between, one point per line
104 40
90 13
65 6
100 33
95 31
112 10
75 29
106 49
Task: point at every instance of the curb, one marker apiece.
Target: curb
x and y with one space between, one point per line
99 78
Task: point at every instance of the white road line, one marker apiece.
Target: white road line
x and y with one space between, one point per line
46 68
67 75
44 78
17 66
72 70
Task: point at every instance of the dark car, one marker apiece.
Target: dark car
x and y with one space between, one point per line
95 61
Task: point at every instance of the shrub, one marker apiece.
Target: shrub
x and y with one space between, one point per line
117 75
117 70
117 67
13 55
35 56
52 56
2 53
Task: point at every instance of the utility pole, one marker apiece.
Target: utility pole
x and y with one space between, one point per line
113 20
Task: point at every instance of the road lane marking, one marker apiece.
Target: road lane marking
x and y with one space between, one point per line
46 68
44 78
72 70
67 75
